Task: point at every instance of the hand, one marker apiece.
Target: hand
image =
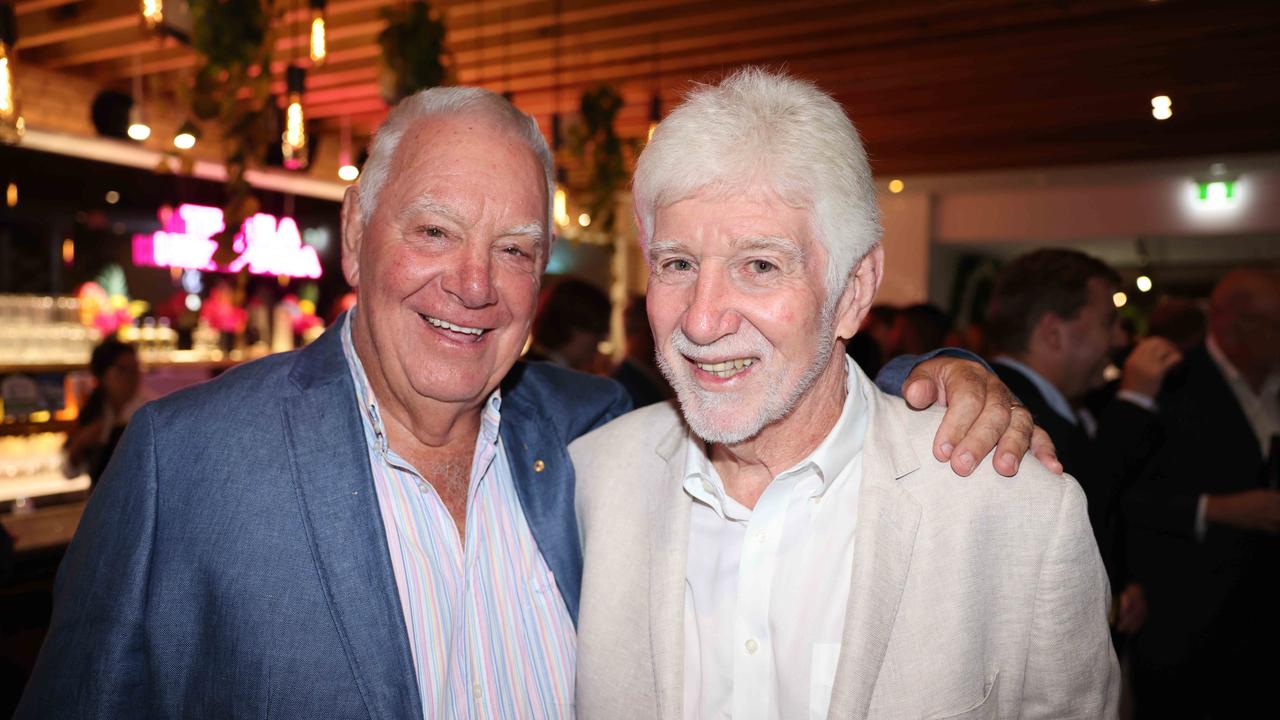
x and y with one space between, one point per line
981 412
1248 510
1147 365
1132 610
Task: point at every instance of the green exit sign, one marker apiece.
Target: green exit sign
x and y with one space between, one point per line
1217 191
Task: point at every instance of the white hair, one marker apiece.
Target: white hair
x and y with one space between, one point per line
758 127
452 101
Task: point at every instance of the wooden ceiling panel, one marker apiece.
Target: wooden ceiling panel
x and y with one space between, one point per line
935 85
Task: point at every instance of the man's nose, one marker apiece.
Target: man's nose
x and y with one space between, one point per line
472 278
711 314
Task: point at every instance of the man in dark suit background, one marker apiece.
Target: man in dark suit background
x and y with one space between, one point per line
1054 324
1206 517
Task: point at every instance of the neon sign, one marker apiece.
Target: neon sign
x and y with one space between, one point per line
265 245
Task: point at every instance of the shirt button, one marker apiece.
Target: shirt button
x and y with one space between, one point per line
761 536
476 691
752 646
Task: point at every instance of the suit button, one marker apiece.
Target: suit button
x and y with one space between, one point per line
752 646
539 466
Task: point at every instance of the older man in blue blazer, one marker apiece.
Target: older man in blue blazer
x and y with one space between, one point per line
380 525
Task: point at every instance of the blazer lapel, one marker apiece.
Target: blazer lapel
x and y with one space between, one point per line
543 476
340 510
669 511
887 521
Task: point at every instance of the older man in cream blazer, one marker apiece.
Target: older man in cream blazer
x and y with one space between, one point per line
786 545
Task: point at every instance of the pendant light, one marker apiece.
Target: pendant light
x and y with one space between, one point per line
11 122
319 45
138 128
294 139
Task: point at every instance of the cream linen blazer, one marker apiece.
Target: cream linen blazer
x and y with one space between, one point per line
977 597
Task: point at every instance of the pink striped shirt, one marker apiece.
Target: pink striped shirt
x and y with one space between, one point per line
489 632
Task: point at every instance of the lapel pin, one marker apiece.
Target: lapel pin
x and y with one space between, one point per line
538 465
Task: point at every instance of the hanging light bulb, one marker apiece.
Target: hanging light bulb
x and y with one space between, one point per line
152 13
186 137
319 48
138 128
655 115
11 124
294 139
560 205
347 171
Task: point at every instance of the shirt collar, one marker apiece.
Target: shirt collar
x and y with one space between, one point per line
489 421
1220 359
832 456
1053 397
1270 385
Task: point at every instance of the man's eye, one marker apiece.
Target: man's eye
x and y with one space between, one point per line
434 231
761 266
515 251
678 265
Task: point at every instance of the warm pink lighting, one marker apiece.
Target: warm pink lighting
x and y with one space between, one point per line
267 246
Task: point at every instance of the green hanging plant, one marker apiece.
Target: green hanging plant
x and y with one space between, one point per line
233 40
597 145
413 52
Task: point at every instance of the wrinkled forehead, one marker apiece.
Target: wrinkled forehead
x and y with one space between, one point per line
762 186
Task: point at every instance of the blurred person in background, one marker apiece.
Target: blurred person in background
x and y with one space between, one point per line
870 347
1181 321
920 328
116 395
571 322
1206 516
638 372
1053 323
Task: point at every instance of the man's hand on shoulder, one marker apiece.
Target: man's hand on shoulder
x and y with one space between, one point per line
982 415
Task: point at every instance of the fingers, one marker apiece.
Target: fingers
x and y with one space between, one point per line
1015 441
965 392
1042 447
981 436
919 391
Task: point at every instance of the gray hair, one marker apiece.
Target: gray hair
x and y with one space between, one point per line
454 101
761 127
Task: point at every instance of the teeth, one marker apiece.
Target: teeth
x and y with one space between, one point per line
727 368
450 326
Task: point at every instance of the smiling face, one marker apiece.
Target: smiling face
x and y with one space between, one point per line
447 267
740 313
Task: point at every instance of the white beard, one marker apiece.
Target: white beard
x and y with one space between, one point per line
711 415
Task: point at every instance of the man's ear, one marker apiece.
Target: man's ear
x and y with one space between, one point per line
352 235
859 293
1047 333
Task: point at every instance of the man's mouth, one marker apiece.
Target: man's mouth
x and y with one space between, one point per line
453 328
725 368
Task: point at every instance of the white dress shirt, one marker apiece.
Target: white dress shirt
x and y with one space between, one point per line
766 589
1261 409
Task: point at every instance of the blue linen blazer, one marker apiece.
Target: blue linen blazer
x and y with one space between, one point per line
232 562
